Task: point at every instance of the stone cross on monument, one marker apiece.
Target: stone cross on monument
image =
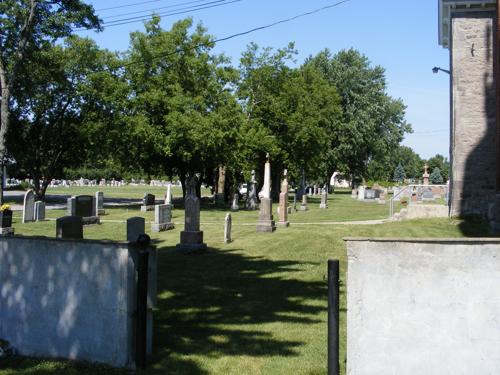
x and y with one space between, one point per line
426 174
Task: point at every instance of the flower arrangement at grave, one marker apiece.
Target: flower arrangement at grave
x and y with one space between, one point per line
5 216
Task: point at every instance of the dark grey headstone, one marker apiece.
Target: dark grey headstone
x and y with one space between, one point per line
69 227
84 206
148 200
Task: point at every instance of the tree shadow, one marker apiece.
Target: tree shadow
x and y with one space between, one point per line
216 304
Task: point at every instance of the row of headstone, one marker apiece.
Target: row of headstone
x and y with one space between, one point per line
71 227
315 190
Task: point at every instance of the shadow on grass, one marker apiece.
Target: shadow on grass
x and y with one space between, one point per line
475 226
218 303
213 305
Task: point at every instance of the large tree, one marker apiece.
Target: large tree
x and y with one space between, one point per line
290 113
442 163
28 26
184 118
58 106
372 123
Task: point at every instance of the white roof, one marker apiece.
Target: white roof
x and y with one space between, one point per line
447 6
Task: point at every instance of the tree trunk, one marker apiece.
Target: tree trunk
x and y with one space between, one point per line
182 176
198 189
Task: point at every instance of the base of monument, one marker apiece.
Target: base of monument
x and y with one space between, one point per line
9 231
303 208
323 205
283 224
147 208
235 209
266 226
162 227
101 211
191 242
91 220
381 201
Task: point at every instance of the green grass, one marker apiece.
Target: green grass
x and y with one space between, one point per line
255 306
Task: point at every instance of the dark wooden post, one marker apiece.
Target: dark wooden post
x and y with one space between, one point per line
333 317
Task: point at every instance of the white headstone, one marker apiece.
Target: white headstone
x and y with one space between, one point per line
29 206
227 228
168 196
361 193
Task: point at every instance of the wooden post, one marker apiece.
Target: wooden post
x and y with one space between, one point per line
333 317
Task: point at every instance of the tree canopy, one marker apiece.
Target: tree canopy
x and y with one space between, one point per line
170 106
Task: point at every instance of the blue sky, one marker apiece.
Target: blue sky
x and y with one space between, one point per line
400 35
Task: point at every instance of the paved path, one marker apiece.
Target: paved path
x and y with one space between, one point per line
57 202
366 222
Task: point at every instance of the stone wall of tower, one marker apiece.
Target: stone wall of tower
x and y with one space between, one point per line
473 144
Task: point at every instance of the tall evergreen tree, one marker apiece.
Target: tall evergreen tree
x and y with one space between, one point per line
399 174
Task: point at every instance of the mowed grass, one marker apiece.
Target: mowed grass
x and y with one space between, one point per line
255 306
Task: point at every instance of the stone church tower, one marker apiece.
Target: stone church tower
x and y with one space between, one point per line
469 30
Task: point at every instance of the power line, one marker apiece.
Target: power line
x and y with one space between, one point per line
154 9
128 5
179 11
285 20
171 12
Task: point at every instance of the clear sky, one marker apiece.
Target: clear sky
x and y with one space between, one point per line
400 35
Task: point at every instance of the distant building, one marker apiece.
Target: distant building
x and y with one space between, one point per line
468 30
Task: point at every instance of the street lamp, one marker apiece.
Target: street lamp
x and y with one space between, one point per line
436 70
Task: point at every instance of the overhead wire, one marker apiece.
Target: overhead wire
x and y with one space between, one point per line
154 9
208 5
215 41
128 5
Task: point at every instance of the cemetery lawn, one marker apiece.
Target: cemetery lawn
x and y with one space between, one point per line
255 306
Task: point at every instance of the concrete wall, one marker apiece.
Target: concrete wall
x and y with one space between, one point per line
425 211
68 299
473 149
423 306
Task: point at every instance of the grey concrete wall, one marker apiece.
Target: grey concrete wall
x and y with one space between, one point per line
473 149
425 211
423 306
68 299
